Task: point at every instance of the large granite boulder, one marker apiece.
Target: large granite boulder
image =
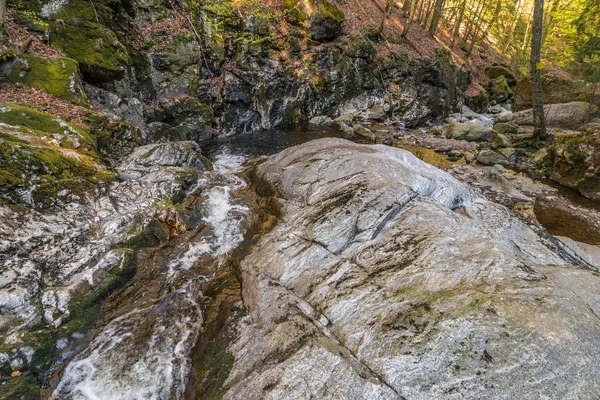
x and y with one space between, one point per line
559 87
576 160
566 116
387 278
58 76
470 131
75 29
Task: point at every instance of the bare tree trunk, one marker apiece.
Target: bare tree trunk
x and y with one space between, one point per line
550 20
479 22
437 13
386 14
513 26
472 20
494 19
2 16
459 22
409 18
406 7
539 118
527 38
419 15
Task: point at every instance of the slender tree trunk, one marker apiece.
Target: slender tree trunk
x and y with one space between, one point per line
550 20
527 38
494 19
426 14
437 13
421 7
459 22
479 22
513 26
474 14
409 18
2 16
406 7
539 118
386 14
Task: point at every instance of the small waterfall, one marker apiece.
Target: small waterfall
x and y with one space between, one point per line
143 351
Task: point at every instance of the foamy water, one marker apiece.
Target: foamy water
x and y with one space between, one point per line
108 369
144 354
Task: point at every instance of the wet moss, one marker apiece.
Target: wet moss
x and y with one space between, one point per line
34 6
146 234
24 387
101 55
330 11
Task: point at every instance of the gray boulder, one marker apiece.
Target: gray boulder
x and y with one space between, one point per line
470 131
491 157
320 120
387 278
566 115
171 154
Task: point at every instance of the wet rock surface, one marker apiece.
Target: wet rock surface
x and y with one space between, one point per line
387 278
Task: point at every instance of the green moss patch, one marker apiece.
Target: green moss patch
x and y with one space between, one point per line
146 234
57 76
330 11
41 124
101 56
43 177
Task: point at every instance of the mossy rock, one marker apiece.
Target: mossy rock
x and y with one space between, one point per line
44 177
32 22
576 162
57 76
36 170
360 48
33 6
322 18
146 234
506 127
558 87
500 90
36 123
477 99
8 54
116 139
496 70
24 387
101 56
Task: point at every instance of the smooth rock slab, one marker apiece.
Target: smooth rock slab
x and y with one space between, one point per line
387 278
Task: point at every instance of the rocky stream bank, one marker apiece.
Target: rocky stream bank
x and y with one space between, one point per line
400 245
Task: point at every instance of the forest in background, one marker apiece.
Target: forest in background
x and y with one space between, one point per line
571 34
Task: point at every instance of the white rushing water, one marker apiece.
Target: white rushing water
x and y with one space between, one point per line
116 365
223 216
144 354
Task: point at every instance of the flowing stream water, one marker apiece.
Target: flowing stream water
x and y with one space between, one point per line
150 337
142 347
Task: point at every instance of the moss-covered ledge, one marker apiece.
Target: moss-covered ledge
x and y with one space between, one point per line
58 76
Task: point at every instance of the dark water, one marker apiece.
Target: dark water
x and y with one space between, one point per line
559 221
265 143
562 221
